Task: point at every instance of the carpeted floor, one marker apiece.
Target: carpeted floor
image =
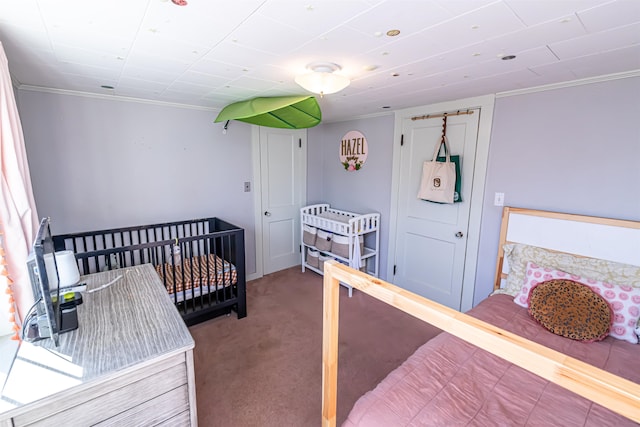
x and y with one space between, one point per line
266 369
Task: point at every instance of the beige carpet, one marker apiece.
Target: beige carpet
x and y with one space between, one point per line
266 369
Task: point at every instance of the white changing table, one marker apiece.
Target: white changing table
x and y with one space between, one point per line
347 224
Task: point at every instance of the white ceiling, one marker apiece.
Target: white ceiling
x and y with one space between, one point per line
210 53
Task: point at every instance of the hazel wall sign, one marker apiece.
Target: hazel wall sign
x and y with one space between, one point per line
353 150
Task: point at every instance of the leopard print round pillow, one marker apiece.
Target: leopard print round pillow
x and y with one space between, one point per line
571 310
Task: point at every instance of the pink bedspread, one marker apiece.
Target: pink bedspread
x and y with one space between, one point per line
448 382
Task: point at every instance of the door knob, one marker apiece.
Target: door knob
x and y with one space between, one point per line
267 213
459 234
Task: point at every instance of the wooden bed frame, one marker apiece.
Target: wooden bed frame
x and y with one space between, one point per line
577 234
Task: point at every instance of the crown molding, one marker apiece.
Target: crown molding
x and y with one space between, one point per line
15 83
113 97
570 83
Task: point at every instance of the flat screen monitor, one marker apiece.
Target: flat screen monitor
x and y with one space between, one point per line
43 273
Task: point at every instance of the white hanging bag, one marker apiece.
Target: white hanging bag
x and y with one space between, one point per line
438 178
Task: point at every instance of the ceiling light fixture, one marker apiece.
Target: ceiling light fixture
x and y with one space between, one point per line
322 78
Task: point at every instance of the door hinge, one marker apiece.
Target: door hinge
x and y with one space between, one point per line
300 248
299 142
395 268
401 140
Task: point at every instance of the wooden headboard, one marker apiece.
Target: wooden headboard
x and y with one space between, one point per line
614 240
605 238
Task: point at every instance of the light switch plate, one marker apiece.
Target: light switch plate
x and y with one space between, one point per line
498 200
247 186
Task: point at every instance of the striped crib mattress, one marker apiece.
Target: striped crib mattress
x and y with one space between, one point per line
206 273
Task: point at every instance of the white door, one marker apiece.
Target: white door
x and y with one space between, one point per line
283 157
431 238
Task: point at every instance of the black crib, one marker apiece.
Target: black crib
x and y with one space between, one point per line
201 262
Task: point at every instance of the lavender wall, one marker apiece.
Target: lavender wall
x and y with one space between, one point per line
575 150
100 163
366 190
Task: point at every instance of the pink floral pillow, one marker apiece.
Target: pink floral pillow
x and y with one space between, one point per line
624 300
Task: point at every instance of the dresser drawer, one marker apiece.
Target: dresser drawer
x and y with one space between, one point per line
182 419
155 411
153 389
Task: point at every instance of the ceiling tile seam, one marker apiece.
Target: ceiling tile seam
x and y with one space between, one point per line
593 54
320 36
133 42
588 34
598 6
441 23
342 24
409 64
64 46
497 74
228 84
534 72
455 16
553 52
46 30
516 15
577 15
229 37
218 42
132 46
457 48
244 66
151 80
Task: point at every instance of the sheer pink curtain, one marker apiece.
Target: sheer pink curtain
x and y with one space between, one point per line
18 217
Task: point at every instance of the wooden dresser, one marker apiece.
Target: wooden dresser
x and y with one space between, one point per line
130 362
